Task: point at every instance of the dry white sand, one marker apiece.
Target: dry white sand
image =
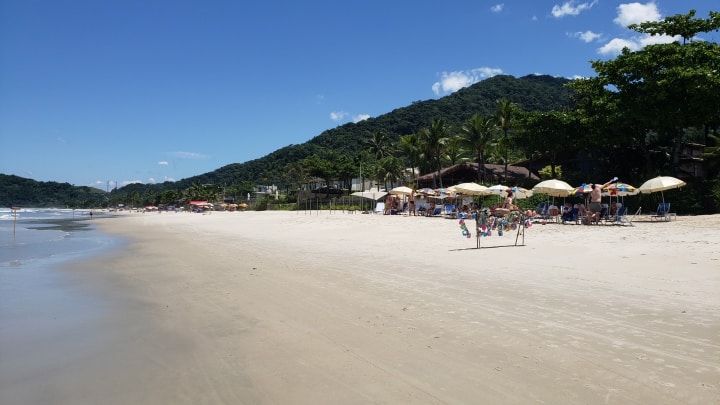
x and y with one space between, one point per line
320 308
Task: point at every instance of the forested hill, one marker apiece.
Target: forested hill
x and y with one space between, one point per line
19 191
531 93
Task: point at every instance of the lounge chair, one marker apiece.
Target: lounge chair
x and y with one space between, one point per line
618 218
379 208
543 211
450 211
574 216
663 213
437 211
627 219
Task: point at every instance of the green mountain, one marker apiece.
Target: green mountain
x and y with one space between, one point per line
22 192
531 93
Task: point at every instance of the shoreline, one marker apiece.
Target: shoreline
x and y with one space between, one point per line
279 307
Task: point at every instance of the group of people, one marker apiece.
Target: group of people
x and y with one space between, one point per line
592 214
595 209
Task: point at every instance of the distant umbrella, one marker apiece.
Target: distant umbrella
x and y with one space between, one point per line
661 183
471 189
520 192
554 188
402 190
620 189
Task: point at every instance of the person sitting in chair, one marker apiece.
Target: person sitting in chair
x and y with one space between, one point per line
508 203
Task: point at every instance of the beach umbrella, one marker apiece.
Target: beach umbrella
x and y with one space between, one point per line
620 189
582 189
471 189
372 194
498 189
520 192
554 188
661 183
402 190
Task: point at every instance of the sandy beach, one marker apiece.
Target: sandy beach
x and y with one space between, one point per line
339 308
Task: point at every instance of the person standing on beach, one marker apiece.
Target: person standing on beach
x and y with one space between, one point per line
411 203
595 199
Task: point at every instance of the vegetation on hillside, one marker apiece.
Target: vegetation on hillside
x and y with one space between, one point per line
632 120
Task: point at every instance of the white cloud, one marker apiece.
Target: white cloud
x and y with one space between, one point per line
360 117
162 163
658 39
338 115
571 8
151 180
126 182
587 36
188 155
451 82
635 13
616 45
497 8
169 179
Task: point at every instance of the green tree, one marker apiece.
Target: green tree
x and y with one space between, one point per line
662 88
434 140
505 115
410 147
479 133
378 144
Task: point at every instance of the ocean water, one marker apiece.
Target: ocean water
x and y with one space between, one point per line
49 317
33 237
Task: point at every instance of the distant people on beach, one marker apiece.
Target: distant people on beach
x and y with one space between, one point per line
411 203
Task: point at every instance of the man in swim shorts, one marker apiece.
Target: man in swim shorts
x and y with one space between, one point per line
595 199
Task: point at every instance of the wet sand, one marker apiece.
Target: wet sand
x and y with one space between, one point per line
286 307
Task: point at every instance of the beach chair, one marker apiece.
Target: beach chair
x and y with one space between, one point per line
627 219
618 218
450 211
379 208
437 211
543 211
662 213
574 216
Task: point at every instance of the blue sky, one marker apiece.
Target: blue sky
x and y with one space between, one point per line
95 92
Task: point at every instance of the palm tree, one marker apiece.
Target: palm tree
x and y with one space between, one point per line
505 114
479 133
390 169
434 140
455 151
196 191
409 146
379 145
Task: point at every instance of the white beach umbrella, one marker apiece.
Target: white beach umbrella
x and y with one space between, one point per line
661 183
402 190
372 194
520 192
470 189
554 188
498 189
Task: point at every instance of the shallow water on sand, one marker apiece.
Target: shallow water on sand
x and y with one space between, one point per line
45 311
